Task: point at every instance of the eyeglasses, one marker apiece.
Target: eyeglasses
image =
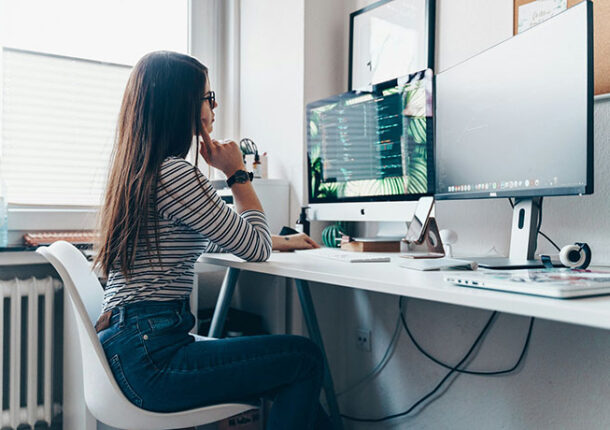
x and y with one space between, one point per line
211 98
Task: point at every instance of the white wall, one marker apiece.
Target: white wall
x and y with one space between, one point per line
565 382
272 86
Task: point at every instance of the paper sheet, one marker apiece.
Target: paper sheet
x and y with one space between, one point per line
538 11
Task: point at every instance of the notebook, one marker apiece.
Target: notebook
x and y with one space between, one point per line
556 283
345 256
444 263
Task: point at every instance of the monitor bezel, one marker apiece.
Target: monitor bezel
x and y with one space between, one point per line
430 16
547 191
430 130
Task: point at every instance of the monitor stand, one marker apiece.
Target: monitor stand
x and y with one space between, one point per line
523 239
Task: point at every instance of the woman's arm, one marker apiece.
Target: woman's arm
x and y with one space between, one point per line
227 157
290 242
187 197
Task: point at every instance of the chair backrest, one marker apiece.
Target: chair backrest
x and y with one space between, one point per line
103 396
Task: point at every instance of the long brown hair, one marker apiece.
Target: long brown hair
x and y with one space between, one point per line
160 114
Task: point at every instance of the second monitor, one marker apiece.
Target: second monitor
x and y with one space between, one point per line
516 121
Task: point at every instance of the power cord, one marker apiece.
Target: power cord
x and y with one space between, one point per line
452 369
549 239
401 322
437 387
468 372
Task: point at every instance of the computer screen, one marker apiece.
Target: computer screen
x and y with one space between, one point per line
516 120
373 145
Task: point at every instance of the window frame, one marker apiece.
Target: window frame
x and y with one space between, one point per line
41 217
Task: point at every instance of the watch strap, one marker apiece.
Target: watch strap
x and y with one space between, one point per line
231 180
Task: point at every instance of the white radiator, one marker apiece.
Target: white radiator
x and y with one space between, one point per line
35 404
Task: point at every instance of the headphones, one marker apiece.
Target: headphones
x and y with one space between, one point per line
577 256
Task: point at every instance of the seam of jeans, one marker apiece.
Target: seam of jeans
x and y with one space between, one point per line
119 332
115 363
106 341
234 362
179 321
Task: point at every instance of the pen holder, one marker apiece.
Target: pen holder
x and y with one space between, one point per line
431 245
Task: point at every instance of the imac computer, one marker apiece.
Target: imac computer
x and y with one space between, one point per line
369 153
516 121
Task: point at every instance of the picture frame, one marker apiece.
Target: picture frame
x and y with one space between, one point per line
390 38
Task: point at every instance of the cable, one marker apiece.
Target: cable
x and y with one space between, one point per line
436 388
440 363
380 366
469 372
539 220
549 239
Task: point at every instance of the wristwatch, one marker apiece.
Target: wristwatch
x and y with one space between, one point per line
240 177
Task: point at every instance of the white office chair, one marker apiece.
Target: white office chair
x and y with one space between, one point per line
103 396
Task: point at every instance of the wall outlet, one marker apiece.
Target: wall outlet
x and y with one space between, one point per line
363 339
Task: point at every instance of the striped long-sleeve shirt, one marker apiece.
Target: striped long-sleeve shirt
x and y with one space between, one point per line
192 219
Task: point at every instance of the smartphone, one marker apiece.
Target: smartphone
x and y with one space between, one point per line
418 224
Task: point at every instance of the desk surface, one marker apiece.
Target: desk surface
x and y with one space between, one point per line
391 279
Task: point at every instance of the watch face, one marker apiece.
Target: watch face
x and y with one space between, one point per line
241 176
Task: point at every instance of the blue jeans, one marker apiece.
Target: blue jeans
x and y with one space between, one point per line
160 367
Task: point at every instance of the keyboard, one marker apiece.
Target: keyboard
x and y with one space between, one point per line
345 256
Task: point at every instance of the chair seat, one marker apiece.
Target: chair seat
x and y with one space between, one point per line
141 419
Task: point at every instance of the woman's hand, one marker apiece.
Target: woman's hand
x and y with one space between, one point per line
292 242
226 156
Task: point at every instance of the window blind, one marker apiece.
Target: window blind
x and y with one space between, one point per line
59 117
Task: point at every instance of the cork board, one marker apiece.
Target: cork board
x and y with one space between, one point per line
601 43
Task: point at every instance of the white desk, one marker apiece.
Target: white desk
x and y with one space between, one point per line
391 279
